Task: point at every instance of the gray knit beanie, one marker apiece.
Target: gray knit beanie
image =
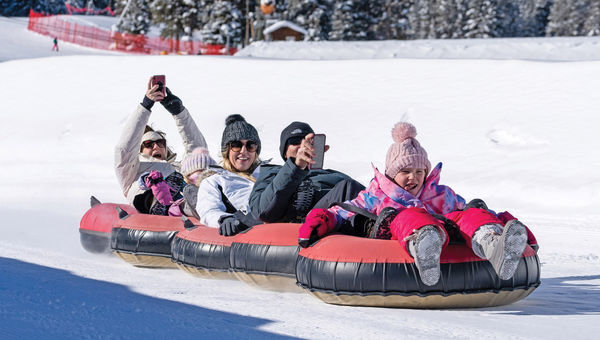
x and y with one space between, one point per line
236 129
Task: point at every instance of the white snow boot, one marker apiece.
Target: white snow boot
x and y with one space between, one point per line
425 246
503 248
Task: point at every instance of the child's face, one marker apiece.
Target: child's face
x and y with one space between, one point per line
410 179
193 177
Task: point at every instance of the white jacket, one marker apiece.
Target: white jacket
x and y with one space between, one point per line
130 163
236 188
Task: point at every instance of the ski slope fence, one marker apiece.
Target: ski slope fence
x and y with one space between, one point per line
56 26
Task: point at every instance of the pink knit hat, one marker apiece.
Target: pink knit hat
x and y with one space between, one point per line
199 159
406 152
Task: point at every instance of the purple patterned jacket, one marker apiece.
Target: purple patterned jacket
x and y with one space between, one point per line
383 192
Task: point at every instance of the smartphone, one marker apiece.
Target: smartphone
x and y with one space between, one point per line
160 81
319 146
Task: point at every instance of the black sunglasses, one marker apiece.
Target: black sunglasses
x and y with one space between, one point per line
237 145
295 140
150 143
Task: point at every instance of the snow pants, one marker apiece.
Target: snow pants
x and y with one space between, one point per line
468 221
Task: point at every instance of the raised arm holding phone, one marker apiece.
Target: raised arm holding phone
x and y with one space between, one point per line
143 158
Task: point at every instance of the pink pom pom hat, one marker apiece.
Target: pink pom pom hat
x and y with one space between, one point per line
406 152
197 160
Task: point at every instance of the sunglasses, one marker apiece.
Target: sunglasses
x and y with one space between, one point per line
295 140
150 143
237 145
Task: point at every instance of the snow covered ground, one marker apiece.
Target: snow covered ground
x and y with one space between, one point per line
521 134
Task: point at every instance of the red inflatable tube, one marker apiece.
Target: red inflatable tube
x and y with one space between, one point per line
349 270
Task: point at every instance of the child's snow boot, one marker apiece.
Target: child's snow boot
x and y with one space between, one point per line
503 248
425 245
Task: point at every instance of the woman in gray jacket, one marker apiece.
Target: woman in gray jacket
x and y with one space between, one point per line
141 150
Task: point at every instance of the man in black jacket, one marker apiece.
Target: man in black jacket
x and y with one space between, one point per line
287 193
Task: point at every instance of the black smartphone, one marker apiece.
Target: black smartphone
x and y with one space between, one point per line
319 146
160 81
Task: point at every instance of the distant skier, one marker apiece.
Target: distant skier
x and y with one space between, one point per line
55 46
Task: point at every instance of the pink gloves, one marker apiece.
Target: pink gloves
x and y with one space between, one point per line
160 189
318 223
175 209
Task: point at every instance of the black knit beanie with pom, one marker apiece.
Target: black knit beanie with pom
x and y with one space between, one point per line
236 128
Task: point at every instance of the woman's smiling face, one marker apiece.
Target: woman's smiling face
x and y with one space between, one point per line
242 158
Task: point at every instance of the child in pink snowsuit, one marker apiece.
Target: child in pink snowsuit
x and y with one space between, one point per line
416 198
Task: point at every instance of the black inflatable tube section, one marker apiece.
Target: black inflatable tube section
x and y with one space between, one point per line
94 241
402 278
201 255
157 243
264 259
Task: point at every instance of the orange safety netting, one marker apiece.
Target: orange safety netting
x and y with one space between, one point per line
111 40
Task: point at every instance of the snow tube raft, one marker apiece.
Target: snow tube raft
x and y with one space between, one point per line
96 225
348 270
145 240
263 256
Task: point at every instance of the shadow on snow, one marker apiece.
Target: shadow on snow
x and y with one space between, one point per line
43 302
569 295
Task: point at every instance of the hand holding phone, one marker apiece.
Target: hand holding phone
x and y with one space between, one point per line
319 151
161 82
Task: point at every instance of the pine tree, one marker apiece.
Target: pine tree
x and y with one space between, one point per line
525 18
541 18
350 20
449 18
177 18
422 19
578 15
480 19
591 26
397 22
559 19
137 18
224 25
509 18
376 13
313 15
21 8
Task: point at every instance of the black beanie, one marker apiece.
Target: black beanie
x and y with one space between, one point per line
236 128
296 129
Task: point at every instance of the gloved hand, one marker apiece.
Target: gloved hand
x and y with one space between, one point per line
318 223
175 208
230 225
147 103
160 189
172 103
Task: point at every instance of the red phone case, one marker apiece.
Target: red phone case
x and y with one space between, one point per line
160 79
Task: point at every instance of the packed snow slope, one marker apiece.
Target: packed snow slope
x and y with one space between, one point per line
520 134
19 43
